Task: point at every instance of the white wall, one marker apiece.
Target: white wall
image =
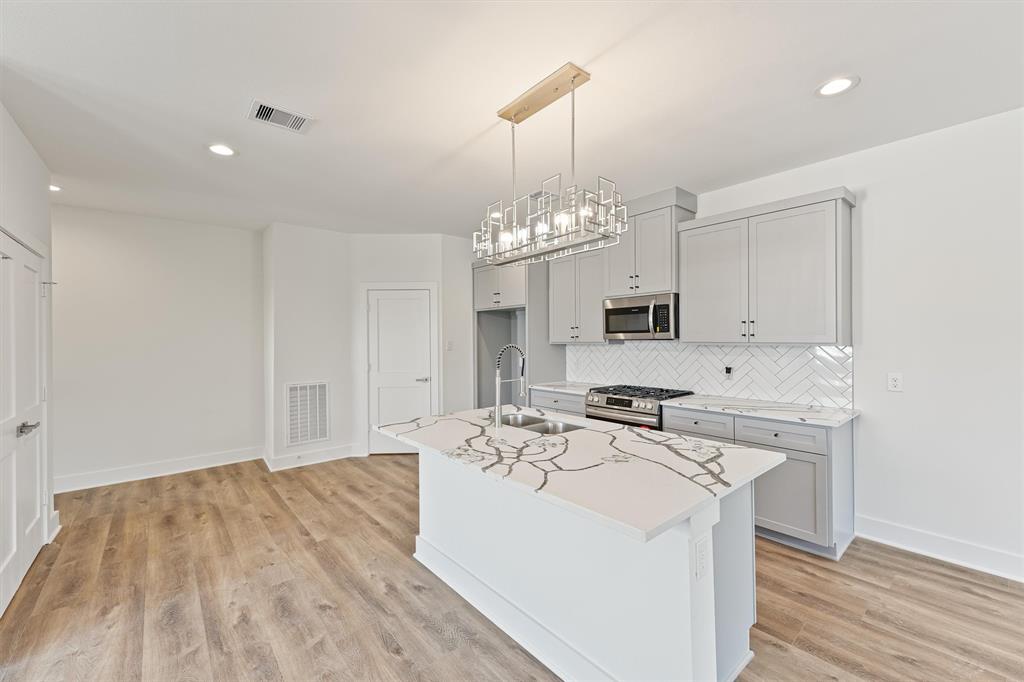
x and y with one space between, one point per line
24 187
938 296
310 335
157 346
318 328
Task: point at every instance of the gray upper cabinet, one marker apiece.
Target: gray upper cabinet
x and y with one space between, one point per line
621 263
576 298
713 283
793 275
562 299
499 287
641 263
778 273
654 241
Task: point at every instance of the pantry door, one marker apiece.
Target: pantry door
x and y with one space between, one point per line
402 345
22 464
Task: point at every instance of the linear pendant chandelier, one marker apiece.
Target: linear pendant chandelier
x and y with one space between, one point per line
553 221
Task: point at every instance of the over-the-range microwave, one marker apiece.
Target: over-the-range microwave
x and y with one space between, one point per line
641 317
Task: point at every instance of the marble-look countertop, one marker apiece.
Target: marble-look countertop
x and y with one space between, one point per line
571 387
765 409
638 481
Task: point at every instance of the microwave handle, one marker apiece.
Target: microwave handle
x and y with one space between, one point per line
650 318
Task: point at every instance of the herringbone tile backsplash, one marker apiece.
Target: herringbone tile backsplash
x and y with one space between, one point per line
809 375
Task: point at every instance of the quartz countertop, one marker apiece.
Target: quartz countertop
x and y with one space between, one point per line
765 409
638 481
570 387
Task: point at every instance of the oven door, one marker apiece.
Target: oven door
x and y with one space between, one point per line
644 421
640 317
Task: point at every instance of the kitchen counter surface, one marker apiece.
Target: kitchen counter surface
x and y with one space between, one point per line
764 409
570 387
638 481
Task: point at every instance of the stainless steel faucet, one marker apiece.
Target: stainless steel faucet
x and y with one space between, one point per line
498 381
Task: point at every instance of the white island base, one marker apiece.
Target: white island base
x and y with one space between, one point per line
588 600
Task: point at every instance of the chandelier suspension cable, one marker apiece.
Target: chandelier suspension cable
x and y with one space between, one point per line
513 160
572 131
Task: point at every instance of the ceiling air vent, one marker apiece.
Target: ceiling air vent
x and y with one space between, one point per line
297 123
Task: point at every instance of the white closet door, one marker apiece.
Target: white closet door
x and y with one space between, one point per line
22 467
400 353
793 275
713 283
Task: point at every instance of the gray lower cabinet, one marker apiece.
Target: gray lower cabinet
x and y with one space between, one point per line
792 498
557 402
807 501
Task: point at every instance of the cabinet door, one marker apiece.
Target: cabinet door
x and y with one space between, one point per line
621 264
713 283
792 498
793 275
654 251
485 287
590 281
562 299
512 285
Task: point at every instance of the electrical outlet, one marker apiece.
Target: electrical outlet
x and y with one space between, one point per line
894 382
728 373
701 567
449 346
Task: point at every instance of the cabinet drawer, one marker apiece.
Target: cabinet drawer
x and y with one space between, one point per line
792 498
561 402
703 424
781 435
691 434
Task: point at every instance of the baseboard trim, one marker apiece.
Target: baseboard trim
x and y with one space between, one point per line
307 457
550 649
944 548
731 677
137 472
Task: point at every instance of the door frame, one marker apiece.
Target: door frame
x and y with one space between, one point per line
436 364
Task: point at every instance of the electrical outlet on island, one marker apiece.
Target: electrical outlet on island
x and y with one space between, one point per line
894 382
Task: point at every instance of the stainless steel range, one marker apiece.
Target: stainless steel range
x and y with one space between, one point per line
634 405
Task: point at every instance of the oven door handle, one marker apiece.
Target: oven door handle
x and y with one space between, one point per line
622 416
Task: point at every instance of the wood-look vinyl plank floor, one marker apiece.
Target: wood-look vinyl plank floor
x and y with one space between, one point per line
236 573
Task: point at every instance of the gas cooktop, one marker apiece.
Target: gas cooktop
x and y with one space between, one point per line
646 392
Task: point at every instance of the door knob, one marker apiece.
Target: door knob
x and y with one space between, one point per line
24 428
423 380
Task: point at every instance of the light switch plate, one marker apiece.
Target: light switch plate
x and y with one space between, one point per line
894 382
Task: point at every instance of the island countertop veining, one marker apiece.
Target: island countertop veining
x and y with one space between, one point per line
766 409
638 481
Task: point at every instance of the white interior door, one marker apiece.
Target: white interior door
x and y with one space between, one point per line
401 352
22 479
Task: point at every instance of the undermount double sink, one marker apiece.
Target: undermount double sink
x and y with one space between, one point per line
538 424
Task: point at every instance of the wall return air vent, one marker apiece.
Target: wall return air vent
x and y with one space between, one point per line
307 413
271 115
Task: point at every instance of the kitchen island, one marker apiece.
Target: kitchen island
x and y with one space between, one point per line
607 551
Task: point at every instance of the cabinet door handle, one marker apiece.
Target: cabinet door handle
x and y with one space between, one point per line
751 327
743 329
775 435
696 422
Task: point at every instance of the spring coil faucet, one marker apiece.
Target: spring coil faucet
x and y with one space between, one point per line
498 381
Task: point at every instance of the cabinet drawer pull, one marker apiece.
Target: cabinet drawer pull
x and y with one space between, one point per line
696 422
775 435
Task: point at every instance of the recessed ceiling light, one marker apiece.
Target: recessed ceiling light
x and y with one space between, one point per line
54 188
838 85
222 150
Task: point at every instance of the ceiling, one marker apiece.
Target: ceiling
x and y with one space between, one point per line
122 99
